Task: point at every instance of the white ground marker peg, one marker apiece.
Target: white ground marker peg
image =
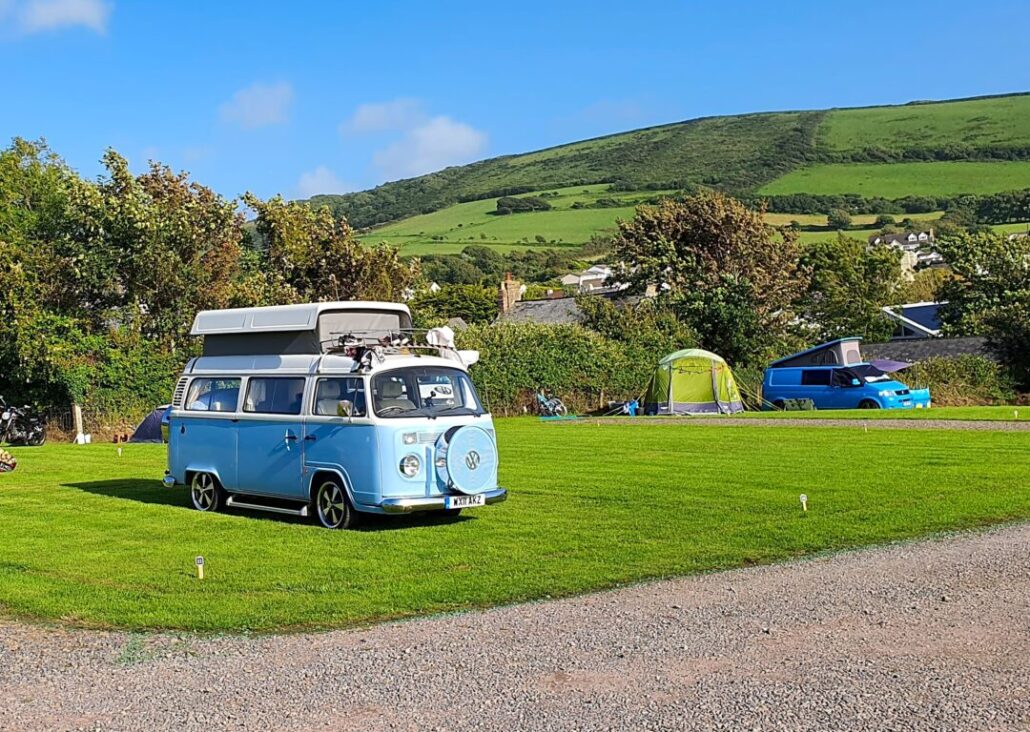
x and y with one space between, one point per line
119 452
200 567
804 502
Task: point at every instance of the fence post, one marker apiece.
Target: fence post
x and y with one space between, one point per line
80 438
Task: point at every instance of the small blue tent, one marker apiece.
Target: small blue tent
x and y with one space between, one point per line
149 430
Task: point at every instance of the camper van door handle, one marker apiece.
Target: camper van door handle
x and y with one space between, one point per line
310 438
290 437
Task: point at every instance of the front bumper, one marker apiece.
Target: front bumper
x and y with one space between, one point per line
434 503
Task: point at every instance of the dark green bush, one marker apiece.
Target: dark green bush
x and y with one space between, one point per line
957 381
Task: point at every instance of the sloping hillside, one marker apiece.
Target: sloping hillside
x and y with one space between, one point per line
740 154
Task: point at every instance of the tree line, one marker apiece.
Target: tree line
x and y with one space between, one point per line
100 279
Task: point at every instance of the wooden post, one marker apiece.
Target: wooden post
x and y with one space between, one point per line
80 437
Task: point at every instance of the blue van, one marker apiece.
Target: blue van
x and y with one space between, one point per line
834 376
332 410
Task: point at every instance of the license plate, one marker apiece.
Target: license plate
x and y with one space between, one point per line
463 501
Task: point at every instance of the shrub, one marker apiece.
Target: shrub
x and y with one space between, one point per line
957 381
581 367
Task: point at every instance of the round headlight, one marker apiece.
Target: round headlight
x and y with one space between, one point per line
410 465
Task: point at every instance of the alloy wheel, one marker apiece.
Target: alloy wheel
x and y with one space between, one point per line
204 492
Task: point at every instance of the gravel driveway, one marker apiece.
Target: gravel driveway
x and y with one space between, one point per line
932 636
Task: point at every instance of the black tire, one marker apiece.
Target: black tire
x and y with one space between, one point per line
560 410
37 439
868 404
332 507
206 493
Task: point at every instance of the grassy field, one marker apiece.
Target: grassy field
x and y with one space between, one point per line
992 122
895 180
464 224
973 414
90 538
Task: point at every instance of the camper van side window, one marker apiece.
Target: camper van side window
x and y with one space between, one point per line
340 397
274 396
213 395
815 377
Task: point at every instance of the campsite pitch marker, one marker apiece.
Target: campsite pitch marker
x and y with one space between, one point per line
119 452
200 567
804 502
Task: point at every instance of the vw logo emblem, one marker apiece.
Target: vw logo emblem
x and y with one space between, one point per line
472 460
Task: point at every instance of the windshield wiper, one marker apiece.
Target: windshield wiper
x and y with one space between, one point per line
452 410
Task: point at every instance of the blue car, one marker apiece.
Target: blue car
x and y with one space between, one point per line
833 376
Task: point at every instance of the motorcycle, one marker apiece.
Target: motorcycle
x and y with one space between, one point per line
21 426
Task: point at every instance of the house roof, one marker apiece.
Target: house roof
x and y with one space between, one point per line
560 310
900 237
923 317
552 311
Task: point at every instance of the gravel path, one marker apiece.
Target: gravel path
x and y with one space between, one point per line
931 636
873 424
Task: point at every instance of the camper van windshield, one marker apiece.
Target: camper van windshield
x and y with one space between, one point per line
424 392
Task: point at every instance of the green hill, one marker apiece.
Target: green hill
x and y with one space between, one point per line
979 145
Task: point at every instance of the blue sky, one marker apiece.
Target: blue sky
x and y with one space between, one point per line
299 98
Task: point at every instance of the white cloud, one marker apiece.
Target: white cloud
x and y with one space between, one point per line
258 105
398 114
434 144
35 16
321 180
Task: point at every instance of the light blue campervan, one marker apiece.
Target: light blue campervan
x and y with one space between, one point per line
835 376
334 409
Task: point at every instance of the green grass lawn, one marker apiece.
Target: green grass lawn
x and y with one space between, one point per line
973 414
895 180
91 538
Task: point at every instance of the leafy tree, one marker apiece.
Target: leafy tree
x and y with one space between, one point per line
722 270
648 324
471 303
319 257
925 285
884 220
849 285
990 295
838 219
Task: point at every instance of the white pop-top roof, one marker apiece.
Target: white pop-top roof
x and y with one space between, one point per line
307 364
280 317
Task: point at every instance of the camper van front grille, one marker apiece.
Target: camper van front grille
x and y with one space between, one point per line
180 392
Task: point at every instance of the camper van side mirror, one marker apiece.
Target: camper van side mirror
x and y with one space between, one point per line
344 408
856 382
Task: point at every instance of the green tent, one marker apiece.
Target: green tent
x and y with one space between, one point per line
692 382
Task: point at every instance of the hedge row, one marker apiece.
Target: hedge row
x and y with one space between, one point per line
580 366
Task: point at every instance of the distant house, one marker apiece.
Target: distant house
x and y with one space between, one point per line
905 240
915 320
916 247
1019 235
592 279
